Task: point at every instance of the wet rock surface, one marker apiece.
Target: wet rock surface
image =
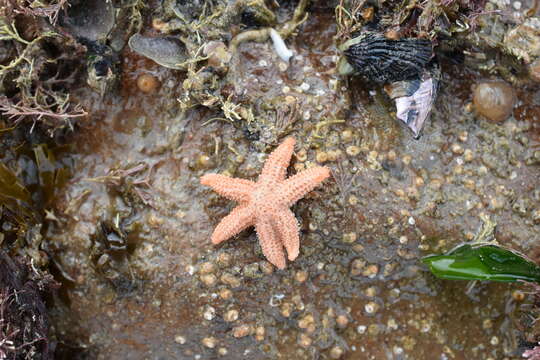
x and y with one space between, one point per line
128 236
357 289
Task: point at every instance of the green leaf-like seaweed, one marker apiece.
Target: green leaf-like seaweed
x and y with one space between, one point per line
483 262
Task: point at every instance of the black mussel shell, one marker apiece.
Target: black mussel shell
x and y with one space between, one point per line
383 60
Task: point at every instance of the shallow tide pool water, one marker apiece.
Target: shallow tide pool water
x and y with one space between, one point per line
141 279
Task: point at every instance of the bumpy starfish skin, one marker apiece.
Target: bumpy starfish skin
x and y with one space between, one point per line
265 204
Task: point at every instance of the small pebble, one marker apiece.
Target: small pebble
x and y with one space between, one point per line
241 331
374 329
304 341
392 324
179 339
534 70
371 291
204 161
357 265
209 313
224 259
407 159
336 352
301 155
371 271
368 13
304 322
225 294
468 155
218 53
349 238
371 307
334 155
301 276
456 149
347 135
207 268
518 295
230 279
209 279
392 34
286 309
321 157
494 100
352 150
147 83
361 329
209 342
342 321
259 333
266 267
536 216
231 315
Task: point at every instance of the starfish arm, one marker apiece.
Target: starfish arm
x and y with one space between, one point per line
287 226
275 167
271 247
232 188
240 218
295 187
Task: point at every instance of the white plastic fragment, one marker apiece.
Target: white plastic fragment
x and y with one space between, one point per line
281 48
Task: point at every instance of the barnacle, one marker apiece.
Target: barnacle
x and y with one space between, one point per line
383 60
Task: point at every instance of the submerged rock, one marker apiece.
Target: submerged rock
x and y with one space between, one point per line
523 41
534 70
91 19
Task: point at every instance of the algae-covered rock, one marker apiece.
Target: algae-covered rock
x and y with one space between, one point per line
523 41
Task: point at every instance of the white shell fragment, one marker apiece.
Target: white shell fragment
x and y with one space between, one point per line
415 109
414 100
281 48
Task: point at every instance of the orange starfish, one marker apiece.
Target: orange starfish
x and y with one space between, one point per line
265 203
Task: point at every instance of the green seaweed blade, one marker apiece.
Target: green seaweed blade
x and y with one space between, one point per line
483 262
